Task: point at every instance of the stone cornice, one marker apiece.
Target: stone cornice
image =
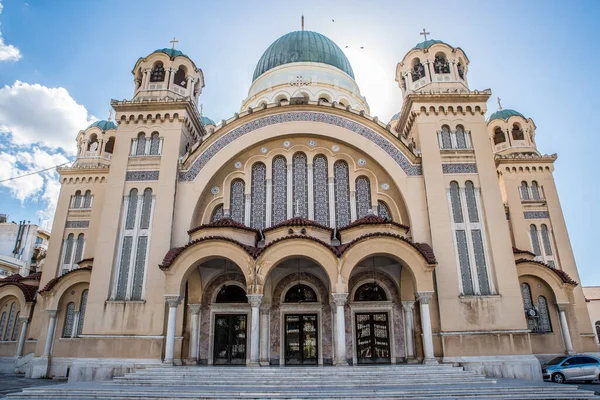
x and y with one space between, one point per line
524 158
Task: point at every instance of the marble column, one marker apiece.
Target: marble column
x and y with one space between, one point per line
424 298
564 327
255 300
264 334
340 329
409 330
173 300
50 334
22 336
195 333
269 207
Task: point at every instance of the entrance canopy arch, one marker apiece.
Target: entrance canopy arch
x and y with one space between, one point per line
55 289
560 283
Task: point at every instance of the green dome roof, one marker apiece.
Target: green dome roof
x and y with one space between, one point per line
104 125
504 114
172 53
428 43
396 116
302 46
207 121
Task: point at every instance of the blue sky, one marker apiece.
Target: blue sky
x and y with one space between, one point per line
62 61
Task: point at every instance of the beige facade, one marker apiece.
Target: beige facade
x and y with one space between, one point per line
304 231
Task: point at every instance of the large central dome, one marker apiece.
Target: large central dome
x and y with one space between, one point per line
302 46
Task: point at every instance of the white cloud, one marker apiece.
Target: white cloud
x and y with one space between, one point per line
8 52
33 113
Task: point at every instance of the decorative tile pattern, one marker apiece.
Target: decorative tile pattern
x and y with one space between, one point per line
133 176
77 224
363 196
279 203
342 193
300 185
383 210
321 190
536 214
237 201
387 146
259 196
459 168
214 190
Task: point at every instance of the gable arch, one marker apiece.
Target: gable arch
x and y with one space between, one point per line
55 289
559 288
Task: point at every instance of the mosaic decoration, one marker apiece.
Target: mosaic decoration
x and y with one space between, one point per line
286 143
312 143
335 147
263 150
82 307
363 196
77 224
279 201
146 209
471 202
362 162
536 214
259 196
459 168
215 190
237 204
238 165
535 241
342 194
134 176
131 209
69 319
300 185
321 190
385 186
390 148
140 265
383 210
217 213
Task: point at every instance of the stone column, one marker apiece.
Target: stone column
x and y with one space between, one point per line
24 322
424 298
409 330
331 201
195 334
173 300
50 334
190 86
340 329
353 205
248 209
269 207
290 191
264 334
310 184
564 327
255 300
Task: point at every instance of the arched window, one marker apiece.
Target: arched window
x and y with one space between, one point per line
69 319
127 245
535 190
441 65
146 208
323 100
82 306
370 292
446 138
110 145
546 240
383 210
279 201
535 242
87 199
91 145
15 330
461 140
477 236
158 73
418 71
131 209
524 190
2 323
231 294
77 199
471 202
461 239
140 149
363 196
258 196
300 293
154 144
461 69
180 78
142 245
517 132
217 213
300 192
342 194
79 248
456 203
544 325
528 305
69 249
321 189
499 136
236 201
11 321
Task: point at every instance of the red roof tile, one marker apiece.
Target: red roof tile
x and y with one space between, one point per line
371 219
223 223
27 290
561 274
12 278
423 248
519 251
297 222
54 281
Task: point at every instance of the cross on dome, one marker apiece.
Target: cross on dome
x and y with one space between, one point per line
173 42
425 33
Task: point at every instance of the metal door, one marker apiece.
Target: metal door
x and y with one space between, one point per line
301 339
230 339
372 338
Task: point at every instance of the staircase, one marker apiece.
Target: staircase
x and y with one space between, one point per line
373 382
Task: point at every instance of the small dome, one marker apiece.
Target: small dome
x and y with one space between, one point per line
104 125
505 115
172 53
207 121
428 43
302 46
396 116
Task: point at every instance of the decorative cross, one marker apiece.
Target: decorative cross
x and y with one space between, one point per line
499 105
173 42
425 33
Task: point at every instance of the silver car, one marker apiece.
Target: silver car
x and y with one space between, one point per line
572 368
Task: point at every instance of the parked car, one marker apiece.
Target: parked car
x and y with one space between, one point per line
579 367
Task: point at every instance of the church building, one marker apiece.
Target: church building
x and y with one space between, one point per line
302 230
